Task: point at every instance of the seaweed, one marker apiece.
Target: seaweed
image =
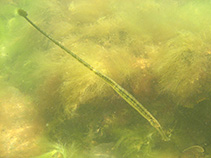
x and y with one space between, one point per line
156 49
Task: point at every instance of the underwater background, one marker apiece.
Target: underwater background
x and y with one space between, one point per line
51 106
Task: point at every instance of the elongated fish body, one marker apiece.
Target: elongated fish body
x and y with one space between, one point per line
116 87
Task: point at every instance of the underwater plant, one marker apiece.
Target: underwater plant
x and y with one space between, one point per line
182 67
159 51
121 91
57 151
20 127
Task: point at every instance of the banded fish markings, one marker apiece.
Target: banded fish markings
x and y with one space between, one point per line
116 87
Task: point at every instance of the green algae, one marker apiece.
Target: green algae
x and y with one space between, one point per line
166 43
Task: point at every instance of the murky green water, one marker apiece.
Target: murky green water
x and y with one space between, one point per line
149 95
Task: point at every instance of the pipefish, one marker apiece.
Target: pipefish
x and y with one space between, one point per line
121 91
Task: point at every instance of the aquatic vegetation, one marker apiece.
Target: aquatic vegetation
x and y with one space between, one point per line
182 67
156 49
57 151
132 144
20 128
193 151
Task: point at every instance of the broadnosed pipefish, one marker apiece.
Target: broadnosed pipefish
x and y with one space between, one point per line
121 91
